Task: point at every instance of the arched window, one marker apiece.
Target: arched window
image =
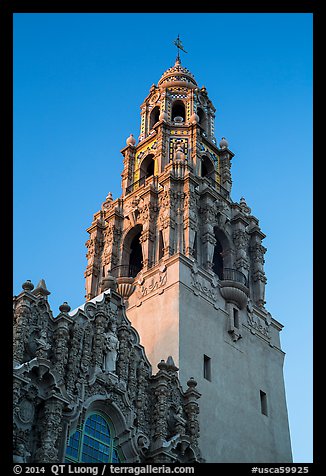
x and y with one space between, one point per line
136 256
147 167
94 443
207 167
178 110
154 117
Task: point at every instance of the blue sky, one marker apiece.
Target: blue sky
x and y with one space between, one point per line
79 80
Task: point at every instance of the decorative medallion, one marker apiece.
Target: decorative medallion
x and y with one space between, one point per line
26 411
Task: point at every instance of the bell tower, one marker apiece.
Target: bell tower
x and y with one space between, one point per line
189 263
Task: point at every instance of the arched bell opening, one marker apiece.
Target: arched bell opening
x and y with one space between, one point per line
207 167
154 117
136 256
218 264
222 254
178 111
203 122
132 254
147 168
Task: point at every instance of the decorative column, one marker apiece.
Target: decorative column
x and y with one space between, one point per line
128 163
141 400
74 358
51 430
93 255
22 315
190 214
166 220
258 277
161 392
107 256
241 240
61 339
163 136
132 374
225 165
192 410
99 341
209 241
208 237
190 224
147 238
123 356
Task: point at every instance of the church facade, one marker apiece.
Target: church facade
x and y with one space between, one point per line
84 389
175 269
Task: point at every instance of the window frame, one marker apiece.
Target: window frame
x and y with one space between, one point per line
113 456
263 403
207 368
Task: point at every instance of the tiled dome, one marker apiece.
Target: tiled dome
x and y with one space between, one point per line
177 75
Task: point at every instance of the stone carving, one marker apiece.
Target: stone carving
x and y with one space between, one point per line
153 283
26 410
96 357
257 324
21 455
203 286
241 240
179 421
51 429
61 338
257 252
22 315
42 344
86 352
111 347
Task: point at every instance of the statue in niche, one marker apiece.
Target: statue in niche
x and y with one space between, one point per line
180 421
111 347
42 345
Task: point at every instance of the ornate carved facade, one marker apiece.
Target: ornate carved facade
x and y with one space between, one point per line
75 365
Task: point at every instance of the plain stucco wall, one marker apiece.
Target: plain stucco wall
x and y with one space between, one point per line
232 426
187 325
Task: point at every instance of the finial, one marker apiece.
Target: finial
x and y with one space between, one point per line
41 289
64 307
192 382
162 365
244 206
28 285
171 365
178 44
131 140
224 143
